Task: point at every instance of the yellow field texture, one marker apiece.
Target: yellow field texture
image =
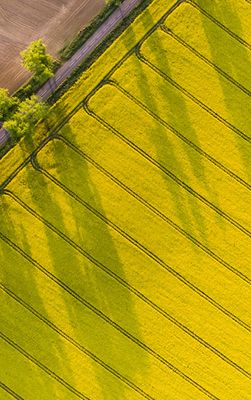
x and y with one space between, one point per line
125 237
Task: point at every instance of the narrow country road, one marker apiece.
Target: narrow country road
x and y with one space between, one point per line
87 48
4 136
81 54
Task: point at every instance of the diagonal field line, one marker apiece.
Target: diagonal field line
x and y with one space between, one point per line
180 135
109 321
150 207
162 167
10 391
220 24
172 34
74 342
146 251
42 367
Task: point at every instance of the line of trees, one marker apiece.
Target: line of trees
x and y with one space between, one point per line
26 115
19 117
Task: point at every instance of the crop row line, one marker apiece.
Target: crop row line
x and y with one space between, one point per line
179 134
167 172
156 211
64 119
96 311
76 344
42 367
171 33
10 391
30 261
131 288
210 111
133 241
116 277
220 24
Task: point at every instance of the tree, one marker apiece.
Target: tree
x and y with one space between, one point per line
115 2
29 112
7 104
36 60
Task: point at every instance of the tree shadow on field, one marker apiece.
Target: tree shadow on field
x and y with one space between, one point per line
55 201
223 14
187 211
241 115
18 277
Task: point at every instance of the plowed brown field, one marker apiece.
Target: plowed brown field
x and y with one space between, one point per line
22 21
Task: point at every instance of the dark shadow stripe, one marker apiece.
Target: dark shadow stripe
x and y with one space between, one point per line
43 367
167 171
74 342
218 23
178 39
151 255
167 78
112 323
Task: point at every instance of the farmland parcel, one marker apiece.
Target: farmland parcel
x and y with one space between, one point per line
125 232
22 21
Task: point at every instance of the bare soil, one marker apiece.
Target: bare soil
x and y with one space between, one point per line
22 21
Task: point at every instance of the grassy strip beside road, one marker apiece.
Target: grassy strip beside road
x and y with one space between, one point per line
70 48
97 52
128 227
87 82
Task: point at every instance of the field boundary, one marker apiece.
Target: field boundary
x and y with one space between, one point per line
49 126
133 189
102 266
99 313
205 59
133 241
142 58
84 51
163 168
215 21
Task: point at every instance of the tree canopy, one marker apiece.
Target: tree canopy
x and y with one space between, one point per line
7 103
29 112
36 59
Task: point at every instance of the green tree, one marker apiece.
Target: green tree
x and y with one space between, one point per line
7 104
29 112
115 2
36 59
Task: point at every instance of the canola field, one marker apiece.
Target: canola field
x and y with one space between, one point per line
125 233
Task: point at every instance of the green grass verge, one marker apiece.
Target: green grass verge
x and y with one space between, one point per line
82 36
125 233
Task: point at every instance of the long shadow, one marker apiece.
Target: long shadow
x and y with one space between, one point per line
145 87
222 16
18 280
71 267
242 114
189 215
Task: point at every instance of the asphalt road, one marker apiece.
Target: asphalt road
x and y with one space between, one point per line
81 54
4 136
87 48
